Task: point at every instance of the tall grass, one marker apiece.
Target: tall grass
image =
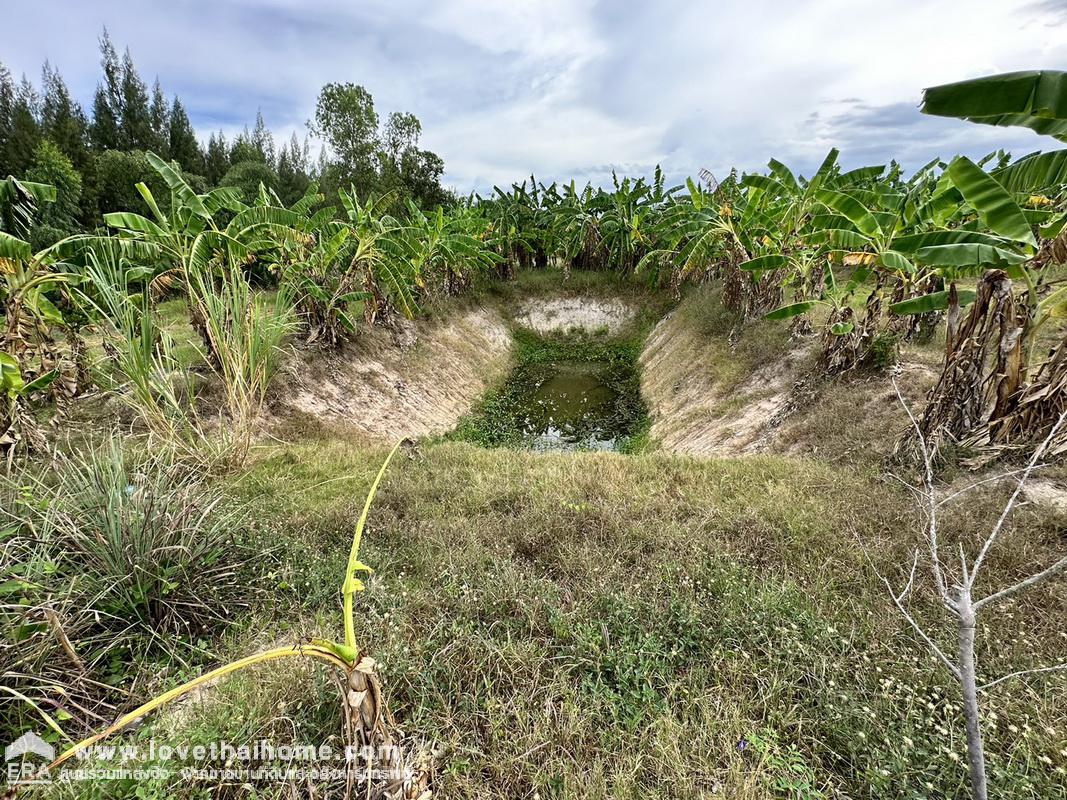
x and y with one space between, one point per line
111 558
246 333
153 385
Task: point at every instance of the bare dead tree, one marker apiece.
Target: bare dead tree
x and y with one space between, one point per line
955 591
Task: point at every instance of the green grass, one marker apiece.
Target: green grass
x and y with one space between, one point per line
731 350
609 626
174 318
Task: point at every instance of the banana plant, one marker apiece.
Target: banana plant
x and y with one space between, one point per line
327 298
14 394
30 317
576 225
440 245
195 232
1006 240
376 257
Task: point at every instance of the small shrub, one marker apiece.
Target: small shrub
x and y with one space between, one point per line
883 352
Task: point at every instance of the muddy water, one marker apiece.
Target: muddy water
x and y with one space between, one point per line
568 405
575 391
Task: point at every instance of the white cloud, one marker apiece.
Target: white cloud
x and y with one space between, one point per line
575 87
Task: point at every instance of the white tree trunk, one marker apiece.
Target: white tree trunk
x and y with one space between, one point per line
975 750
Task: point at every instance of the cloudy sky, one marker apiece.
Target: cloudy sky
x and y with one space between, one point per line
574 88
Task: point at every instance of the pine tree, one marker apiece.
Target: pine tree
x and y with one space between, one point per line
184 147
62 119
107 102
160 118
135 132
243 149
262 140
293 178
7 109
25 129
218 159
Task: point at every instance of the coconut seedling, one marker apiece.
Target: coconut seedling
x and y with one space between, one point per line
367 721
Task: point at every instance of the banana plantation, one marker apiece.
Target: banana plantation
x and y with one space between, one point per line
658 482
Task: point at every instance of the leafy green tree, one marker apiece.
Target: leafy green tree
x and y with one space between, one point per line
420 175
107 101
247 176
345 118
51 166
217 160
402 132
116 177
183 145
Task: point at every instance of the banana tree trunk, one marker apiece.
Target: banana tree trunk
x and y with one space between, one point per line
983 369
1035 409
844 352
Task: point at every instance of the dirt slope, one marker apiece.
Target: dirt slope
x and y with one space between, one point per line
692 411
562 314
417 380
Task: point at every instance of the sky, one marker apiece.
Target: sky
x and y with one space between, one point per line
574 88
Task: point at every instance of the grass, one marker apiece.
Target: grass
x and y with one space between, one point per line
609 626
117 564
730 351
174 317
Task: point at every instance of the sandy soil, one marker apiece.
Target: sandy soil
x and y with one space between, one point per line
691 414
417 380
561 314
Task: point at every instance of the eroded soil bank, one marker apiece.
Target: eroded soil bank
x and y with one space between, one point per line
709 388
701 407
564 314
415 380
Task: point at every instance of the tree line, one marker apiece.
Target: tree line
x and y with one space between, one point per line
95 159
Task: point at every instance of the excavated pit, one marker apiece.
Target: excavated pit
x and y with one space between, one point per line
425 378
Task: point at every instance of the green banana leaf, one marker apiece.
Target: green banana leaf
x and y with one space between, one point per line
995 207
853 209
1035 100
792 310
936 301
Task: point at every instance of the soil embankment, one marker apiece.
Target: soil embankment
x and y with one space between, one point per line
416 380
696 411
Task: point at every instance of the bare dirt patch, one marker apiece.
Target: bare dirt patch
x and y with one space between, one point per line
562 314
692 411
415 380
